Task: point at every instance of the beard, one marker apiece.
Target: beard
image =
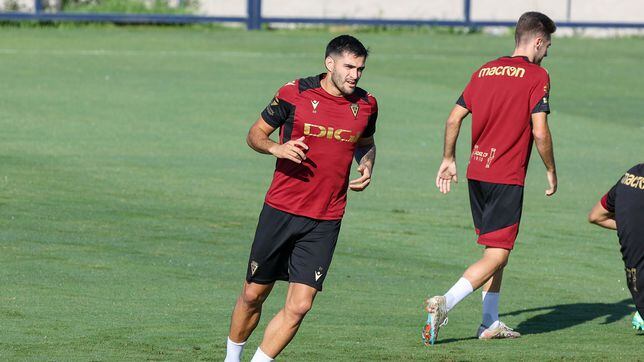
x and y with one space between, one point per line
339 83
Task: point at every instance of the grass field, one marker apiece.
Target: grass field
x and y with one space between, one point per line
128 198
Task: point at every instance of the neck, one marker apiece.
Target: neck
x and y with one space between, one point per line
522 52
329 87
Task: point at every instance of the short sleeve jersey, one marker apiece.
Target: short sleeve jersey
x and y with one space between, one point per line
331 126
502 95
626 200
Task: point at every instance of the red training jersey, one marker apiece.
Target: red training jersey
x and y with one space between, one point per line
502 95
317 188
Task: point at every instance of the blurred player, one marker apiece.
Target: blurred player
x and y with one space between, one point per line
508 99
622 209
325 121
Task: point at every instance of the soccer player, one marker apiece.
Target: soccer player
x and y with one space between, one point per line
325 121
622 209
508 99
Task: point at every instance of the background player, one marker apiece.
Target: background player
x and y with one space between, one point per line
622 209
508 99
324 121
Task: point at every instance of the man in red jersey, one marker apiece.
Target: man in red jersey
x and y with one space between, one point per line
325 121
508 99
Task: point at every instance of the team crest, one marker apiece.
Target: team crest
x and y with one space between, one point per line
253 267
315 106
355 108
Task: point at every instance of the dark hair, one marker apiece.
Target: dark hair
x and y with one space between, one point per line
533 23
346 43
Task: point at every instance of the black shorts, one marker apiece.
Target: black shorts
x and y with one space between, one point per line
496 210
291 247
635 282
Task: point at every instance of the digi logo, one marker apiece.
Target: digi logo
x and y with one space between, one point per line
341 135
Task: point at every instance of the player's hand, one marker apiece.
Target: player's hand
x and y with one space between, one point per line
363 181
294 150
552 182
446 175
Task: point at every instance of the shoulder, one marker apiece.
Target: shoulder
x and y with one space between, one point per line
292 89
365 96
304 84
362 96
637 170
539 72
288 91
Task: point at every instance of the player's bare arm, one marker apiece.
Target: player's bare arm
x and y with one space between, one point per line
259 139
365 155
543 141
600 216
447 170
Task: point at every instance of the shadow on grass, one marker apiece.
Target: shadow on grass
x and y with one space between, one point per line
562 316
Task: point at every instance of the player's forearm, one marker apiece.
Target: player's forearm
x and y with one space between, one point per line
543 141
606 223
366 155
452 129
260 142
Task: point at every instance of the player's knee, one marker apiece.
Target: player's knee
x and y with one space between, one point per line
252 298
298 308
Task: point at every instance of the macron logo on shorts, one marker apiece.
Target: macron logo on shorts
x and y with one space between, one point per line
253 267
318 273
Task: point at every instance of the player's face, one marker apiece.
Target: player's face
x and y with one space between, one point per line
345 70
541 49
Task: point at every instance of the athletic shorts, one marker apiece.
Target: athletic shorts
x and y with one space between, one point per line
291 247
496 210
635 282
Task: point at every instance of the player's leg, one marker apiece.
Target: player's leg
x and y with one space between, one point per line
245 317
282 328
499 231
267 263
490 299
479 273
496 211
308 267
635 282
248 310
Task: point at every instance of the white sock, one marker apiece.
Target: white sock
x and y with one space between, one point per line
458 292
490 308
260 356
234 351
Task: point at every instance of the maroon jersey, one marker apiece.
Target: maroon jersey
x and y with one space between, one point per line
317 188
502 95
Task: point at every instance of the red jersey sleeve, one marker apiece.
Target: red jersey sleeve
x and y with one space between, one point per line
465 100
540 96
281 107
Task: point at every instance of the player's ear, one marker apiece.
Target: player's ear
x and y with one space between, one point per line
328 63
538 43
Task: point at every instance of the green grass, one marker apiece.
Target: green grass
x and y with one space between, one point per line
128 198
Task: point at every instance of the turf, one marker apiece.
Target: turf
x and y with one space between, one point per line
128 198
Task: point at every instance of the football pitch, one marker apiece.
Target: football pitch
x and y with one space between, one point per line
129 198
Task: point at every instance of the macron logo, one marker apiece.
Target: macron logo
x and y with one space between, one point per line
317 275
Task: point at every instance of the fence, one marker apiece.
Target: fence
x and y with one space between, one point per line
254 19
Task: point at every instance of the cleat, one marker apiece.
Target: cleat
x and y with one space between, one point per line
436 308
501 331
637 322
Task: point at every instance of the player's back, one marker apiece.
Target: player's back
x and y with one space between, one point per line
502 95
629 212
